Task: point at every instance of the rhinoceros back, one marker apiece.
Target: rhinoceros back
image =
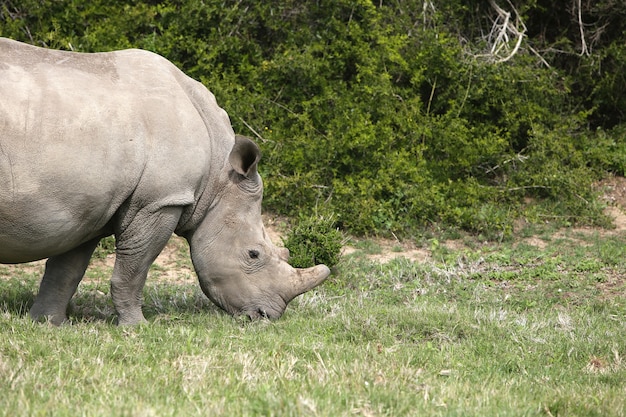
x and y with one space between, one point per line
83 134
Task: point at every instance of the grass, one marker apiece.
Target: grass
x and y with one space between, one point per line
507 329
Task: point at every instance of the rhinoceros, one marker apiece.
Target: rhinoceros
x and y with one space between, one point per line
124 143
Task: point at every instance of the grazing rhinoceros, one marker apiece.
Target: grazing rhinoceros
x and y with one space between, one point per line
124 143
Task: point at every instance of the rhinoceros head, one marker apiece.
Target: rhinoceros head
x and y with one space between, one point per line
238 267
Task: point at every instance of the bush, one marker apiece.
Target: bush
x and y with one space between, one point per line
380 110
314 240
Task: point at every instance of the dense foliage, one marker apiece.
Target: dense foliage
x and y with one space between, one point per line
391 115
314 240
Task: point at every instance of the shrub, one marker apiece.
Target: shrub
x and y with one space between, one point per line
314 240
380 110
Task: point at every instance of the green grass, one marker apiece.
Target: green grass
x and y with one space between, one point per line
488 330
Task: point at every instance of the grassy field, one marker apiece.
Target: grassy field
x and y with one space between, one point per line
531 327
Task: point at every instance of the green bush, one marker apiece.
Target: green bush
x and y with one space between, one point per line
314 240
382 112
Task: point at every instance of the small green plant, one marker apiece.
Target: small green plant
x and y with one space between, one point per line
105 247
312 241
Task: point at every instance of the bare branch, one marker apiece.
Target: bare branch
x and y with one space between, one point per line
507 34
583 44
425 6
543 61
504 27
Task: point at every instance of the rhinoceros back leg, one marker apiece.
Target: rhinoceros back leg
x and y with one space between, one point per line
137 246
60 280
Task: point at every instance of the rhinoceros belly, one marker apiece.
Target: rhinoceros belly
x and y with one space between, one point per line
34 228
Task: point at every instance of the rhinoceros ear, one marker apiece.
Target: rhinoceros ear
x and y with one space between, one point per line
244 156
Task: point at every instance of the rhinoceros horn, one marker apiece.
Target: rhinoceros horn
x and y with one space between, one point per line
304 280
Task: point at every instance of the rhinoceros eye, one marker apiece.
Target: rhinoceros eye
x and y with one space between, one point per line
253 254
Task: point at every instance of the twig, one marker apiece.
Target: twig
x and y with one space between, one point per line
519 158
467 90
14 13
543 61
253 131
241 14
282 106
524 187
432 94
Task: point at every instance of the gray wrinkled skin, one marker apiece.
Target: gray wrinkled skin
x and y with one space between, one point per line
124 143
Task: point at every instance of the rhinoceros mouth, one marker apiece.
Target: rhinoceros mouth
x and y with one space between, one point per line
251 311
259 313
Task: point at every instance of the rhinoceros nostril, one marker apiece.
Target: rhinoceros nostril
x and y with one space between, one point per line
259 313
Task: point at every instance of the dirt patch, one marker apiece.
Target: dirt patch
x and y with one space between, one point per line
613 287
386 250
614 193
614 190
536 242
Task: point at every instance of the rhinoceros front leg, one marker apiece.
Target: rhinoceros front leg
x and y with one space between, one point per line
60 280
137 246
